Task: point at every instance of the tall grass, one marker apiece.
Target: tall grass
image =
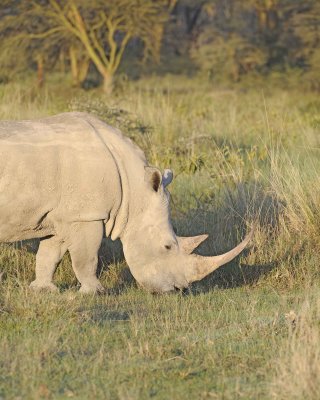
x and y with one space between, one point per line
238 157
298 366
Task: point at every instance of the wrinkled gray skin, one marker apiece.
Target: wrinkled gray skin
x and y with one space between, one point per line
70 179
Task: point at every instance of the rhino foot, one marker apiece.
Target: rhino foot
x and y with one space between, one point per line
43 286
94 288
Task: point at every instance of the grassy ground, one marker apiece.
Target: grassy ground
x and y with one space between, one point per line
252 329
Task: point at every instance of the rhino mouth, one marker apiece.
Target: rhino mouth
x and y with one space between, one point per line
182 290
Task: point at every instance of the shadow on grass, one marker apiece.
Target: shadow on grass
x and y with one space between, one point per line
226 224
238 275
100 315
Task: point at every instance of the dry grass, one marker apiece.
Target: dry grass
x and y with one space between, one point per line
298 367
237 157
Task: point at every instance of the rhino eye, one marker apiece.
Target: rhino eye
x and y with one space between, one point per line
168 246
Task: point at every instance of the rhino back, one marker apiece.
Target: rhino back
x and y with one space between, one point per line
52 171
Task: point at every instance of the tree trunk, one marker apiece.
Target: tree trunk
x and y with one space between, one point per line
79 67
40 71
83 69
62 62
74 66
107 83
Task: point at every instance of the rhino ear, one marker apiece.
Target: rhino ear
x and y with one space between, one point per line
167 177
153 176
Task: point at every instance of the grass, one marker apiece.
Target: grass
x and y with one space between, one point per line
220 344
297 372
251 330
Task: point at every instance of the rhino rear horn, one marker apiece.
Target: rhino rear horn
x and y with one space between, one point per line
167 177
190 243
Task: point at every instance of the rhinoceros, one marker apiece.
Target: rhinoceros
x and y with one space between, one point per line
69 180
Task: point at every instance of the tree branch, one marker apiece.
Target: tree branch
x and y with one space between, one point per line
121 51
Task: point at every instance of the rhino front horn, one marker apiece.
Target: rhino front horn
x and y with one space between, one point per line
201 266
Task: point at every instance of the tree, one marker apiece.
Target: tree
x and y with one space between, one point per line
104 28
305 25
185 22
226 57
259 35
79 62
99 31
27 38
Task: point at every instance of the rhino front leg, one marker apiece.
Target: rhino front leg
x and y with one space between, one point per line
50 253
85 240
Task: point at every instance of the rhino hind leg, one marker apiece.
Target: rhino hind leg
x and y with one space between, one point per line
85 240
50 253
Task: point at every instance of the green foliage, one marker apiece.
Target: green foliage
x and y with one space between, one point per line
313 72
239 38
117 117
226 57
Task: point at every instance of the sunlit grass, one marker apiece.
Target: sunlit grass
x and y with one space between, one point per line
237 157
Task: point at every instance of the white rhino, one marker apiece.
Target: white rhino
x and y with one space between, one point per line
69 180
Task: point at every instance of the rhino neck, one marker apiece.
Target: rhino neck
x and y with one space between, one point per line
133 192
119 215
130 162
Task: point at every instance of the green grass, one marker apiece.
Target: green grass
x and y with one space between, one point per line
222 343
249 331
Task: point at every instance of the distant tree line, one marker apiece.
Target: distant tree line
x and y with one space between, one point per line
224 39
232 38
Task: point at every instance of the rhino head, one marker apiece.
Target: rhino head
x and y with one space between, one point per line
159 260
